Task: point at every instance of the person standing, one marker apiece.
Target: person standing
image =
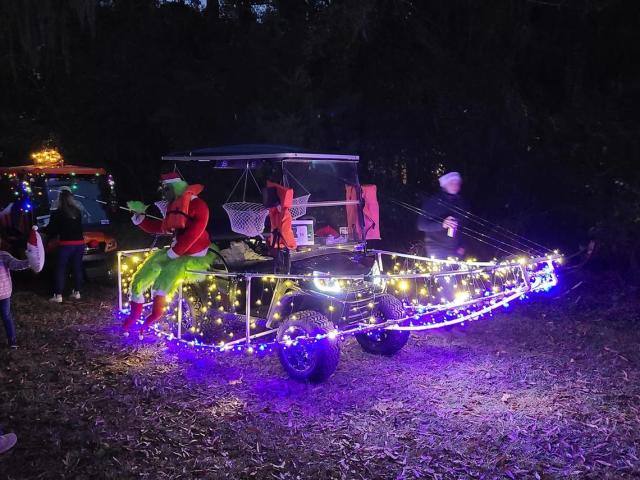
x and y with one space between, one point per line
66 224
34 260
440 221
8 263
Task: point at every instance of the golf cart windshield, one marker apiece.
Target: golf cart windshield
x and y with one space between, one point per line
323 180
326 188
321 189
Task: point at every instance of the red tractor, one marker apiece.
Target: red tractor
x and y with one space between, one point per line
28 194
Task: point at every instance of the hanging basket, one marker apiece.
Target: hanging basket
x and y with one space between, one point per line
299 207
246 218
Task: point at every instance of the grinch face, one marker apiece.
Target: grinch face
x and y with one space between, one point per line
171 191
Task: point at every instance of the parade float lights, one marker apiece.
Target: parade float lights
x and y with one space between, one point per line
479 289
47 157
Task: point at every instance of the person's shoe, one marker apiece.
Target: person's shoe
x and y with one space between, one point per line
7 442
13 344
140 336
56 299
75 294
125 334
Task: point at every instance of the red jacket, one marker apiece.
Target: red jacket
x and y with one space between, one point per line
194 238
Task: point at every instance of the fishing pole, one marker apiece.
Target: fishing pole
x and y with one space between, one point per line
107 203
462 228
491 243
512 235
485 223
429 217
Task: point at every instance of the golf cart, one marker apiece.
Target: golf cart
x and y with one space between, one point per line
310 280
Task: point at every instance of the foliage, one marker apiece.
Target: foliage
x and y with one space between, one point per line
531 100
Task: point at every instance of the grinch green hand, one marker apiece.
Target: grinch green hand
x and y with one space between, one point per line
137 207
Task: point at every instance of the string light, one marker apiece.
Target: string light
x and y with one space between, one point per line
47 157
208 314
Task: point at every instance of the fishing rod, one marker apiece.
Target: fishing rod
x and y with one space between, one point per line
485 223
107 203
495 227
421 213
491 241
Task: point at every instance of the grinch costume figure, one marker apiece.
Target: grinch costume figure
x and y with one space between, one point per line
185 218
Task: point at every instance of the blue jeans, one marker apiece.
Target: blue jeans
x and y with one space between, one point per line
68 254
7 319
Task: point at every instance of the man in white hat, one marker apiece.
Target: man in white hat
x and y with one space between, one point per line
441 220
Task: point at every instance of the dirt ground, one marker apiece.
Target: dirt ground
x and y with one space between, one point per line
549 389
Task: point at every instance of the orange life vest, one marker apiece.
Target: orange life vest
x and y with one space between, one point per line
280 218
370 212
177 214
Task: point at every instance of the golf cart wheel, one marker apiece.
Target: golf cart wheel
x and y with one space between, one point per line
314 360
385 342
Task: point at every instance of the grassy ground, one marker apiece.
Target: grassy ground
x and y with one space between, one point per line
549 390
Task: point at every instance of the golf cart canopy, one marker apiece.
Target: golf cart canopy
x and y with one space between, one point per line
320 176
254 156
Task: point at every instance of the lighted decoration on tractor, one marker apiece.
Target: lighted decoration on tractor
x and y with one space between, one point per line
47 157
29 186
208 310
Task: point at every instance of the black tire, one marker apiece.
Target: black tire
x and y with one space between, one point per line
310 361
385 342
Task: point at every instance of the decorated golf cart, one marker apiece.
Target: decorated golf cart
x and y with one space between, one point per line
305 280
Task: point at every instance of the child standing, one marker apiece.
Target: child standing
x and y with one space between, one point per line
8 263
35 261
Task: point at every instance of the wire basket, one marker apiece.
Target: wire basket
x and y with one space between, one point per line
299 207
246 218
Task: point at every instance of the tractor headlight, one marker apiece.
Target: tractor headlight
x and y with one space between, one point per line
327 285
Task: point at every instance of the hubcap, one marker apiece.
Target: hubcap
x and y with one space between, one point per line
298 356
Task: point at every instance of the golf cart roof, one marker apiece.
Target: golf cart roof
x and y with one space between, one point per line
238 156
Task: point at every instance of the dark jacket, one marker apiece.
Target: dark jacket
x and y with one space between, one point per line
437 208
68 229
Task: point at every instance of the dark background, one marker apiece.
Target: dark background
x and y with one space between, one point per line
535 102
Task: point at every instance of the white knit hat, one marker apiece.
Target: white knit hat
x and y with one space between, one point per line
448 177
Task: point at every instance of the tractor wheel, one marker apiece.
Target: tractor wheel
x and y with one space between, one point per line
313 360
385 342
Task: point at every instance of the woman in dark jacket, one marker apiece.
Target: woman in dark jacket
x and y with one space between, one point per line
66 224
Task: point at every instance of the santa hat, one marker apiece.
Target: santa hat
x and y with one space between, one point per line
448 177
35 250
171 177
